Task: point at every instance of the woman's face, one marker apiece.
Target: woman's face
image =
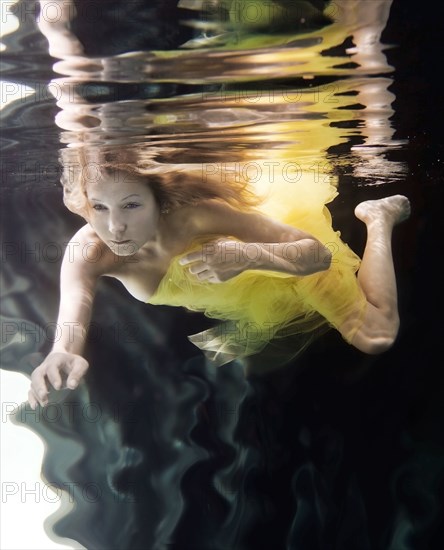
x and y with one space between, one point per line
123 212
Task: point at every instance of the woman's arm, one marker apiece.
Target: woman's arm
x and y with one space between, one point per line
263 243
78 278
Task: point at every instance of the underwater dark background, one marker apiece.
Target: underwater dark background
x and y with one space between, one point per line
334 451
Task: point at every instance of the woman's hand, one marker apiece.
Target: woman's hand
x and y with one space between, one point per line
217 261
57 369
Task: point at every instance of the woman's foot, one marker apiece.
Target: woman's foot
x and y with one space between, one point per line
394 210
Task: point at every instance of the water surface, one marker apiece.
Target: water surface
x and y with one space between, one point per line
159 449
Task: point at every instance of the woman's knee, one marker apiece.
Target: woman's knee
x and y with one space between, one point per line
374 345
375 340
377 332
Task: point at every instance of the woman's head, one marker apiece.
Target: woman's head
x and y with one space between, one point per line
110 175
123 211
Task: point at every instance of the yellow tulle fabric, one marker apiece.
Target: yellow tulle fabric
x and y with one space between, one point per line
258 307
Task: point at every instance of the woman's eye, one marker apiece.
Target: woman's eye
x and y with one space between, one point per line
99 207
131 205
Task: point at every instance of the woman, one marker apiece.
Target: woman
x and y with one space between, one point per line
206 246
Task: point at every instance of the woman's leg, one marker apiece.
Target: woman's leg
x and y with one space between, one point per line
376 275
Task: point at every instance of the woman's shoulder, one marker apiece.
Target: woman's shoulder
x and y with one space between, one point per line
84 241
204 217
86 252
213 217
182 224
85 234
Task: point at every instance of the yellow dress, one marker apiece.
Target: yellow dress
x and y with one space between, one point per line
259 307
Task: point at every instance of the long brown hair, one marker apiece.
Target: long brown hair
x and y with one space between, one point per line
173 185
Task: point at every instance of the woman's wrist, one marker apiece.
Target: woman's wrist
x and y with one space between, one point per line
73 348
257 256
294 258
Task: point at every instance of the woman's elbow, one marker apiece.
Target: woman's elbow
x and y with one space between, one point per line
326 258
317 258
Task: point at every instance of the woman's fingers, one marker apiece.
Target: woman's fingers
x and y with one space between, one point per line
78 370
202 271
32 400
54 377
38 386
205 273
213 256
51 371
198 268
191 257
207 251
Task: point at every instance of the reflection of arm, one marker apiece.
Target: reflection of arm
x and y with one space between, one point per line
280 247
53 22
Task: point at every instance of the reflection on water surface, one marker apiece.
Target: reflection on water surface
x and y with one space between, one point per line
182 454
294 95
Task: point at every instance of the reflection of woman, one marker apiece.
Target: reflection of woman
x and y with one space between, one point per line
203 245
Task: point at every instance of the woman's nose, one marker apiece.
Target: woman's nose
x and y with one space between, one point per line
116 226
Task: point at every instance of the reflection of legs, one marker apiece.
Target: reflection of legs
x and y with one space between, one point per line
377 275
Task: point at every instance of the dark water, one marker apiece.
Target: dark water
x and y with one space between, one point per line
335 451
